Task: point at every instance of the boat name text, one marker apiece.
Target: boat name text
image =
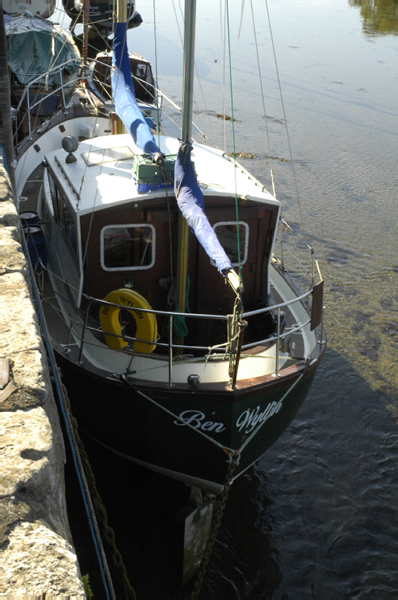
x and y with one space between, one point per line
246 421
194 418
250 418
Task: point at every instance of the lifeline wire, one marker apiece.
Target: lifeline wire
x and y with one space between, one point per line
262 94
233 137
124 378
156 70
284 113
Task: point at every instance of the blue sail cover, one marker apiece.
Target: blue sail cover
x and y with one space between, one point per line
126 106
191 203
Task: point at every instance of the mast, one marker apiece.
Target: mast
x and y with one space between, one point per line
121 11
86 10
186 133
188 75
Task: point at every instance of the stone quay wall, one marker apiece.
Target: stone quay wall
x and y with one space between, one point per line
37 557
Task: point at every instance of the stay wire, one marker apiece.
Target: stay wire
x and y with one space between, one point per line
233 134
156 71
284 112
223 51
262 91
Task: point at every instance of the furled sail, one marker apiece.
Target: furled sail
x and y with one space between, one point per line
191 203
126 106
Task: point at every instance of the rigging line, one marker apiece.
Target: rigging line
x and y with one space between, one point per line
62 16
262 89
84 256
280 402
170 233
224 62
95 201
156 71
169 115
91 216
233 135
90 45
241 17
24 156
125 379
119 74
55 58
199 81
284 113
73 22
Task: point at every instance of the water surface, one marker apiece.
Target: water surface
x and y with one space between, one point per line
316 518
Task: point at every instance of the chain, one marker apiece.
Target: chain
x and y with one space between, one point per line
102 516
234 459
100 510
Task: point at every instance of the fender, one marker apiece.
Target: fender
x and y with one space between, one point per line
147 328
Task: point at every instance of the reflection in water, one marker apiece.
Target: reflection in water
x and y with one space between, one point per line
379 16
333 481
244 563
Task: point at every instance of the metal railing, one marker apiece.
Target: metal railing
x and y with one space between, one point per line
209 351
66 86
64 90
25 99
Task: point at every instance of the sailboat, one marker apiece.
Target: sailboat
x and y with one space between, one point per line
185 344
41 55
99 81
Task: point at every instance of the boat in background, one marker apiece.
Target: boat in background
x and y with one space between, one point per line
100 13
38 8
99 81
187 345
44 65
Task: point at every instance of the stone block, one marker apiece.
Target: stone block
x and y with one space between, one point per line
53 573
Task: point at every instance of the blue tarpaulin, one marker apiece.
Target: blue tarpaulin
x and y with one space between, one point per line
191 203
126 106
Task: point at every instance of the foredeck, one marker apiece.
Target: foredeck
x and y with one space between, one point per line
97 179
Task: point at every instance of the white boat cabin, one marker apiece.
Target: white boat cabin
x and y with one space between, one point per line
108 230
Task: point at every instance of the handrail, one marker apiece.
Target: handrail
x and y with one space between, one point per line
74 81
211 351
206 315
25 97
38 80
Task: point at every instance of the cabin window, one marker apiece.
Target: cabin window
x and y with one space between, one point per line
62 213
127 247
228 233
140 71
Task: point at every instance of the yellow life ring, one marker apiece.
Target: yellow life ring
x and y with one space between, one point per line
147 328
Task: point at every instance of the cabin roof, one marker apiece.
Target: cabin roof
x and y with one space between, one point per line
96 180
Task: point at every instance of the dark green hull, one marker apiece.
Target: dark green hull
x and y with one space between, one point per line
193 448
